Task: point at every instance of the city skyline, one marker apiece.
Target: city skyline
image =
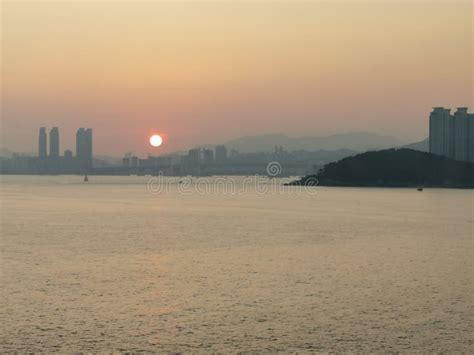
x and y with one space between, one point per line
450 135
68 142
51 160
206 73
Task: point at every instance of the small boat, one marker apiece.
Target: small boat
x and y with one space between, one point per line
86 179
420 188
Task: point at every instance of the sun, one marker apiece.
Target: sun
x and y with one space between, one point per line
156 140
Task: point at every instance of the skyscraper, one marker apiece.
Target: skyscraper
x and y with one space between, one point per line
470 144
441 129
208 157
54 143
42 143
79 143
194 157
461 131
88 147
452 135
84 148
221 154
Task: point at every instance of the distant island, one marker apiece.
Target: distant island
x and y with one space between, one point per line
394 168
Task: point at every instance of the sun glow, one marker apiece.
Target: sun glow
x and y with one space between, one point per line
156 140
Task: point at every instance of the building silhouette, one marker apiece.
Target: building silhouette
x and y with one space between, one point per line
134 162
54 163
54 143
221 154
84 149
42 153
194 157
461 134
208 157
470 144
441 132
68 154
452 136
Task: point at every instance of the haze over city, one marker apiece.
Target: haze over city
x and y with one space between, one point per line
237 176
204 73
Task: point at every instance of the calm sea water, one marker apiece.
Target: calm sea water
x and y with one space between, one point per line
117 264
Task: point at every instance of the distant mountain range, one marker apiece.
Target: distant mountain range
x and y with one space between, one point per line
359 142
422 146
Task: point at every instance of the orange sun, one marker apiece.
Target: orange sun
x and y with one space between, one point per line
156 140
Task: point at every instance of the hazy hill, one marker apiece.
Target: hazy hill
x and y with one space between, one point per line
322 157
393 168
351 141
422 146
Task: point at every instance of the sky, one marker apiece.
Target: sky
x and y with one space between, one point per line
206 72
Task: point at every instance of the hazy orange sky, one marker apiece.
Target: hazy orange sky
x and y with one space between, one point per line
205 72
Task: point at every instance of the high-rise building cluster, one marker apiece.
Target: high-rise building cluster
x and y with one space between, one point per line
205 157
54 163
452 135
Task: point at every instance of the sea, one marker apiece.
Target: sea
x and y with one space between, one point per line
232 264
